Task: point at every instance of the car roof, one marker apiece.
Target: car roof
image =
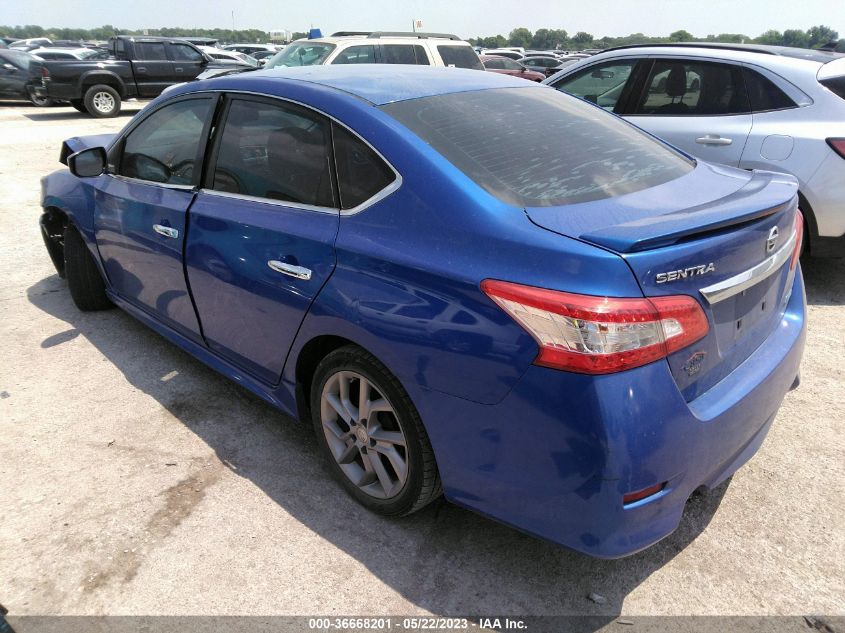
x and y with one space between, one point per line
377 83
821 56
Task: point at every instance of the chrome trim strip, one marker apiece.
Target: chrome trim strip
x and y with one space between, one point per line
269 201
744 280
300 272
151 183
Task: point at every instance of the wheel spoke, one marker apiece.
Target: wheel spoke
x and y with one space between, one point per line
344 380
337 405
335 430
363 398
349 454
381 473
390 437
400 466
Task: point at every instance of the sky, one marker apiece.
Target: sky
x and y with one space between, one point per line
466 18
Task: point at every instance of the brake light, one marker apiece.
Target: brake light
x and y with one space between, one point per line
45 73
837 145
799 238
599 335
639 495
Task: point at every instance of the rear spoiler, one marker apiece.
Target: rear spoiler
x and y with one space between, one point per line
832 69
79 143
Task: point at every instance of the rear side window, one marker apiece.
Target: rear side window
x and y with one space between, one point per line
163 147
495 64
764 94
836 85
404 54
357 55
578 154
361 173
459 56
690 88
150 51
275 151
185 53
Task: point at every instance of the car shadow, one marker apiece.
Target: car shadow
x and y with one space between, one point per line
824 280
61 114
444 559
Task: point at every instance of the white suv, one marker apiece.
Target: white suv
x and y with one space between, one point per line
754 107
379 47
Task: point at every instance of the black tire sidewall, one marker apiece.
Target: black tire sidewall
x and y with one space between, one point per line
355 359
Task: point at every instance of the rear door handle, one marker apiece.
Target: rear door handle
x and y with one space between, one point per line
713 139
178 70
166 231
300 272
141 69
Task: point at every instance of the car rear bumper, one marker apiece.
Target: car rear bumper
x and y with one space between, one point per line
555 457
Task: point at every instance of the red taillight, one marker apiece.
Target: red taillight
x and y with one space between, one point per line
799 238
639 495
599 335
45 73
837 145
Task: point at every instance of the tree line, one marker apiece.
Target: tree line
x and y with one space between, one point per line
541 39
549 39
102 33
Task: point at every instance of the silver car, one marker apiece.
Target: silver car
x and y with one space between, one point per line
754 107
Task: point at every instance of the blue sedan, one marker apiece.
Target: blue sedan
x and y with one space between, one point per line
468 283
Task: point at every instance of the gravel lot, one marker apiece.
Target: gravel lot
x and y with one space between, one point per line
134 480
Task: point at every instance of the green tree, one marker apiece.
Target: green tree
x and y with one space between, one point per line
520 37
770 37
821 35
796 37
582 40
681 36
733 38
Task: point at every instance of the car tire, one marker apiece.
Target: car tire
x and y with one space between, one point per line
83 278
393 472
102 102
41 102
79 105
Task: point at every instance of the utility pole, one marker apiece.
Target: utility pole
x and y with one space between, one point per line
233 23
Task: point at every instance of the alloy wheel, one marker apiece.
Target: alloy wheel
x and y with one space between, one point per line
364 434
103 102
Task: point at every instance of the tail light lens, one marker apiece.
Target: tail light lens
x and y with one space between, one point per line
45 73
599 335
799 238
837 145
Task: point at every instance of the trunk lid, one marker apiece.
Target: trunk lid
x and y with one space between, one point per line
701 235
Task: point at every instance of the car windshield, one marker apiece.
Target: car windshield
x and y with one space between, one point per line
578 154
301 54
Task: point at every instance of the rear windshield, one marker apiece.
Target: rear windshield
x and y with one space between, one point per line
301 54
459 56
537 147
20 59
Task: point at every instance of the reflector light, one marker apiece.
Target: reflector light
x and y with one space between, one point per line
837 145
639 495
599 335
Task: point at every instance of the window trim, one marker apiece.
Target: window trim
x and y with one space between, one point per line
377 197
798 96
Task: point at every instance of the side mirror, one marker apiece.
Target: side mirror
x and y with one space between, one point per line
88 163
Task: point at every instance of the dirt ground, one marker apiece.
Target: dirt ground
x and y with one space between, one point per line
134 480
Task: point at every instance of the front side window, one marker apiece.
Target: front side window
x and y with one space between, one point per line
579 154
459 56
601 84
280 152
150 51
361 173
357 55
495 64
301 54
163 148
185 53
690 88
509 64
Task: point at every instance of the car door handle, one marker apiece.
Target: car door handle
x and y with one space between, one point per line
713 139
178 69
299 272
141 69
166 231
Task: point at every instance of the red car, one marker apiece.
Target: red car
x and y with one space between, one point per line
507 66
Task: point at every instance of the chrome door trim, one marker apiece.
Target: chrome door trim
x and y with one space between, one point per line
166 231
300 272
744 280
